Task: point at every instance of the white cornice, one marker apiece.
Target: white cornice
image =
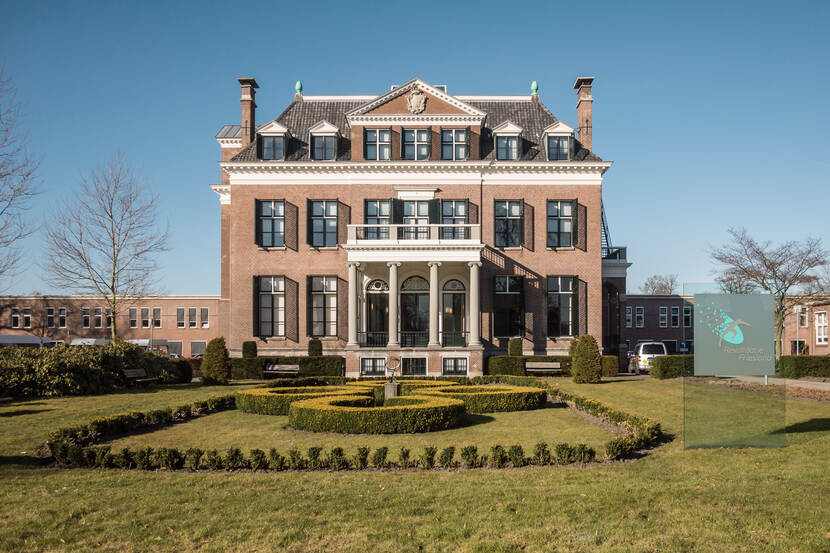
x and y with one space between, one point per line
324 128
404 119
507 128
272 129
224 192
494 98
229 142
559 128
406 87
346 167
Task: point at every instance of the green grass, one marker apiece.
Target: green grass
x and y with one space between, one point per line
246 430
702 500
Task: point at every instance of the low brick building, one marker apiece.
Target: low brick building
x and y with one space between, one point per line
659 318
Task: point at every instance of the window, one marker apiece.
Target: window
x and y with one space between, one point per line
270 223
454 212
133 317
324 223
204 317
271 306
323 147
27 317
454 366
507 147
559 148
687 316
821 328
415 215
560 223
802 316
157 317
62 317
108 318
675 317
50 317
798 347
454 144
373 366
509 223
377 143
197 348
98 315
509 308
85 317
15 317
324 306
628 317
180 317
174 348
191 317
415 144
273 147
664 316
414 366
145 317
639 317
378 212
560 292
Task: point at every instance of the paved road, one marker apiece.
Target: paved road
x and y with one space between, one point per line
786 382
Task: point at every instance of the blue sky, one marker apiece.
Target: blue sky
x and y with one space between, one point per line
715 114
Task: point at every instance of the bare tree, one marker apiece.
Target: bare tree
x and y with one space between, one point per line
660 285
775 269
106 242
730 283
17 180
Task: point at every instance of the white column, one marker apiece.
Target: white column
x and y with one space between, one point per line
433 304
393 305
352 341
475 316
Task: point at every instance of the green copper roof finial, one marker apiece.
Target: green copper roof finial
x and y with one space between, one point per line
298 87
534 87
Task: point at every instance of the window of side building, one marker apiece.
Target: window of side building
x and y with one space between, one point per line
133 317
174 348
27 317
108 318
271 306
15 317
323 223
145 317
509 223
85 317
197 348
377 144
628 317
270 223
62 317
204 317
802 316
157 317
561 306
664 316
675 317
373 366
324 306
455 144
509 306
50 317
416 144
687 316
273 147
821 328
454 366
560 223
180 317
191 317
639 317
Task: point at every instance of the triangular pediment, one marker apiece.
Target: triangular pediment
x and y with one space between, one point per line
272 128
415 98
559 128
324 127
508 127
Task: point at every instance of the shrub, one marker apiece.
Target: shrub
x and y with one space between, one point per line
337 459
315 347
212 460
249 349
445 458
583 454
428 457
491 399
195 364
275 460
672 366
541 454
169 458
505 364
469 454
403 458
246 369
379 457
587 363
257 460
185 371
514 347
498 456
143 459
563 454
193 458
276 401
517 455
357 414
295 459
610 365
361 458
314 461
799 366
216 367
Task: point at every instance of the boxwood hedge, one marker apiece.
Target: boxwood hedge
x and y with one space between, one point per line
491 399
799 366
672 366
275 401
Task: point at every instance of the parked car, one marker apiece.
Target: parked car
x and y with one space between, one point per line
644 352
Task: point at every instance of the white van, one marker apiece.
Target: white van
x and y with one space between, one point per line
644 352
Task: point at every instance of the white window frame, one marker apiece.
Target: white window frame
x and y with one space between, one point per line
61 317
192 322
466 359
181 345
629 316
663 317
803 316
204 321
454 143
50 317
277 307
687 316
378 144
26 313
639 317
154 320
133 314
86 319
559 136
329 320
416 144
98 317
384 359
181 322
513 150
145 317
674 316
108 318
15 317
821 328
197 342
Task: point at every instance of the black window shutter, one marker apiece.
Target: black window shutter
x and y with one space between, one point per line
308 325
255 287
364 144
527 227
309 236
467 142
429 144
292 314
342 309
397 211
519 147
365 212
575 224
575 306
343 220
291 225
583 301
258 146
570 147
581 226
472 213
257 223
434 211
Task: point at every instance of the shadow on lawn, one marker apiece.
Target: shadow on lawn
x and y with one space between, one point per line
812 425
8 414
21 460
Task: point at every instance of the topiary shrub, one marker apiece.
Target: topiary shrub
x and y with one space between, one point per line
517 455
185 371
275 401
249 349
216 365
379 457
428 457
505 364
610 365
672 366
514 347
469 455
315 347
498 456
587 362
445 458
491 399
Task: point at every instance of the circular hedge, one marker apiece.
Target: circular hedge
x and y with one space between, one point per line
275 401
354 414
490 399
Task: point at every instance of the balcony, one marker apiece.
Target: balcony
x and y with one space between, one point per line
439 242
614 253
615 261
411 339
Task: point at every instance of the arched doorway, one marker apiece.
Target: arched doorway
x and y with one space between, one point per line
377 314
414 312
453 311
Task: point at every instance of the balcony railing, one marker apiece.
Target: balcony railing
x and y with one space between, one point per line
395 234
454 338
373 339
410 338
614 253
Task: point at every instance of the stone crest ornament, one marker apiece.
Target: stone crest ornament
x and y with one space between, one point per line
416 101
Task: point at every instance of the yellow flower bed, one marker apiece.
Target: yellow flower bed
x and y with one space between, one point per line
275 401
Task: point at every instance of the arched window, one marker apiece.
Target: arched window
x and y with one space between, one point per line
377 286
454 286
415 284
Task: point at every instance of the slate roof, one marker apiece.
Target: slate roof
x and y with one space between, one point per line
298 117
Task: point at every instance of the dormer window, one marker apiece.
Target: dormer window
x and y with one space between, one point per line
416 144
508 141
323 141
273 147
559 140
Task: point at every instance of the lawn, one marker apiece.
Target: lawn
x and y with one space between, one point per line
703 500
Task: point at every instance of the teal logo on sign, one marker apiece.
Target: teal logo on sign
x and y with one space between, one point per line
722 324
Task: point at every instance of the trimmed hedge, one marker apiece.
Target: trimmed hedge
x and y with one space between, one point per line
672 366
249 350
514 347
491 399
587 362
564 361
315 347
506 364
610 365
799 366
323 365
276 401
357 414
407 386
246 369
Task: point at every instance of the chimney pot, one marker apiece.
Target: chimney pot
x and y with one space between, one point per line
583 110
248 101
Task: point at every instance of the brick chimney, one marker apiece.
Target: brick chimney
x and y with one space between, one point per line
583 109
249 87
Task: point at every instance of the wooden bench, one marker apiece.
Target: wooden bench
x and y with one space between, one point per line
281 370
138 376
543 366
